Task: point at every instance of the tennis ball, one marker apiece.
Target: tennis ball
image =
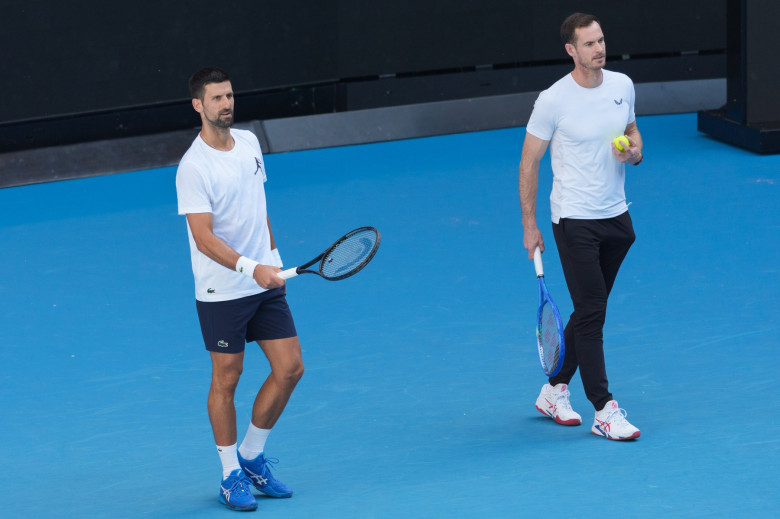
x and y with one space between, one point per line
621 143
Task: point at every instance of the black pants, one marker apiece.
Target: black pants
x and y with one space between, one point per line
591 252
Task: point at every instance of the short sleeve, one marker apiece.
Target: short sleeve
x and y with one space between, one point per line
542 121
191 190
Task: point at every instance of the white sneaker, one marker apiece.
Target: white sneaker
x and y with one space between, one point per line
611 423
554 402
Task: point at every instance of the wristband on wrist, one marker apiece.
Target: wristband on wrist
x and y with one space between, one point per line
277 257
246 266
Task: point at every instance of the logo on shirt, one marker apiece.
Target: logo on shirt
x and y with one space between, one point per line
259 165
618 102
210 291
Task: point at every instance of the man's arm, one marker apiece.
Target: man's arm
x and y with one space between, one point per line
274 250
270 233
533 151
202 227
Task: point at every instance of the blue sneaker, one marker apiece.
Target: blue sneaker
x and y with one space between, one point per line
260 474
235 492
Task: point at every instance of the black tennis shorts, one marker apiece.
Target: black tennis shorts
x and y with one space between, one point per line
228 325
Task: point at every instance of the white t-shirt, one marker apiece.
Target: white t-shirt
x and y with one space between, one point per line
229 185
580 123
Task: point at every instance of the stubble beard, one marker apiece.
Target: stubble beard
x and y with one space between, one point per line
221 122
594 66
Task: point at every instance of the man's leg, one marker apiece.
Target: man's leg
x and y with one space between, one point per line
284 356
225 372
226 369
619 238
578 243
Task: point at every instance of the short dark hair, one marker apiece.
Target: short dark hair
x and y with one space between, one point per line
573 22
203 77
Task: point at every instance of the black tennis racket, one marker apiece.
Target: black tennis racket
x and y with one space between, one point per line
549 329
344 258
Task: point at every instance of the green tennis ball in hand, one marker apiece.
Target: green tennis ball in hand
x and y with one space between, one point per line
621 143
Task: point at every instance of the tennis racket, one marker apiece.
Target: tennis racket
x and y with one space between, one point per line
344 258
549 330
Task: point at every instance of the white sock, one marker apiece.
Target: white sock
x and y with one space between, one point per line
229 459
254 442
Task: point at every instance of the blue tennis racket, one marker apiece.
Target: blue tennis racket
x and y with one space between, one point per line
549 330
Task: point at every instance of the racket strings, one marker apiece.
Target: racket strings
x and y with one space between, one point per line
549 338
349 255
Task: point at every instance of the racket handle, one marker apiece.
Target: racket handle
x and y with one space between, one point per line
538 263
289 273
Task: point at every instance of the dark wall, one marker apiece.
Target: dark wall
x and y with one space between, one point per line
759 66
119 54
79 71
408 35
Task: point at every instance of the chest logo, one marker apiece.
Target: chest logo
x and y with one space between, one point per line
618 102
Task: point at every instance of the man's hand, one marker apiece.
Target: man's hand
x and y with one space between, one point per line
265 276
532 238
632 155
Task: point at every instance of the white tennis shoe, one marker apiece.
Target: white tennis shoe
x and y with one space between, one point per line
554 402
611 423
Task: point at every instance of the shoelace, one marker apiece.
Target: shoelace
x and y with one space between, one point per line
562 400
620 419
240 486
267 463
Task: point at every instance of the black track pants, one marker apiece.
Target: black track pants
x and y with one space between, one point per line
591 252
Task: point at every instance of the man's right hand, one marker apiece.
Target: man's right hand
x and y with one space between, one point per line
532 238
265 276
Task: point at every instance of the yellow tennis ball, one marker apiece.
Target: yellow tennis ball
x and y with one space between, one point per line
621 143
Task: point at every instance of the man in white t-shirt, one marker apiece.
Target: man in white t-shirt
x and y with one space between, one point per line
578 117
239 296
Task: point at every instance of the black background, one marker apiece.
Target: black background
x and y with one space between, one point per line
85 70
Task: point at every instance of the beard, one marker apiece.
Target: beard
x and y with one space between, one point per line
222 122
592 64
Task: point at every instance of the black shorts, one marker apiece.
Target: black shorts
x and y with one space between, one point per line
228 325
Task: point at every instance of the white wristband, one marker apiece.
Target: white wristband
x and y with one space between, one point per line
277 258
246 266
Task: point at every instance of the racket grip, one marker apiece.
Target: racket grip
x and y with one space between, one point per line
289 273
538 263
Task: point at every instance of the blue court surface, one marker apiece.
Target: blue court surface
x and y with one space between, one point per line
422 371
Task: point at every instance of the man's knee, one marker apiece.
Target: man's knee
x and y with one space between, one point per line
289 372
293 371
225 378
589 321
286 360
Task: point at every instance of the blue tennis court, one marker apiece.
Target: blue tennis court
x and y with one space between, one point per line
422 371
